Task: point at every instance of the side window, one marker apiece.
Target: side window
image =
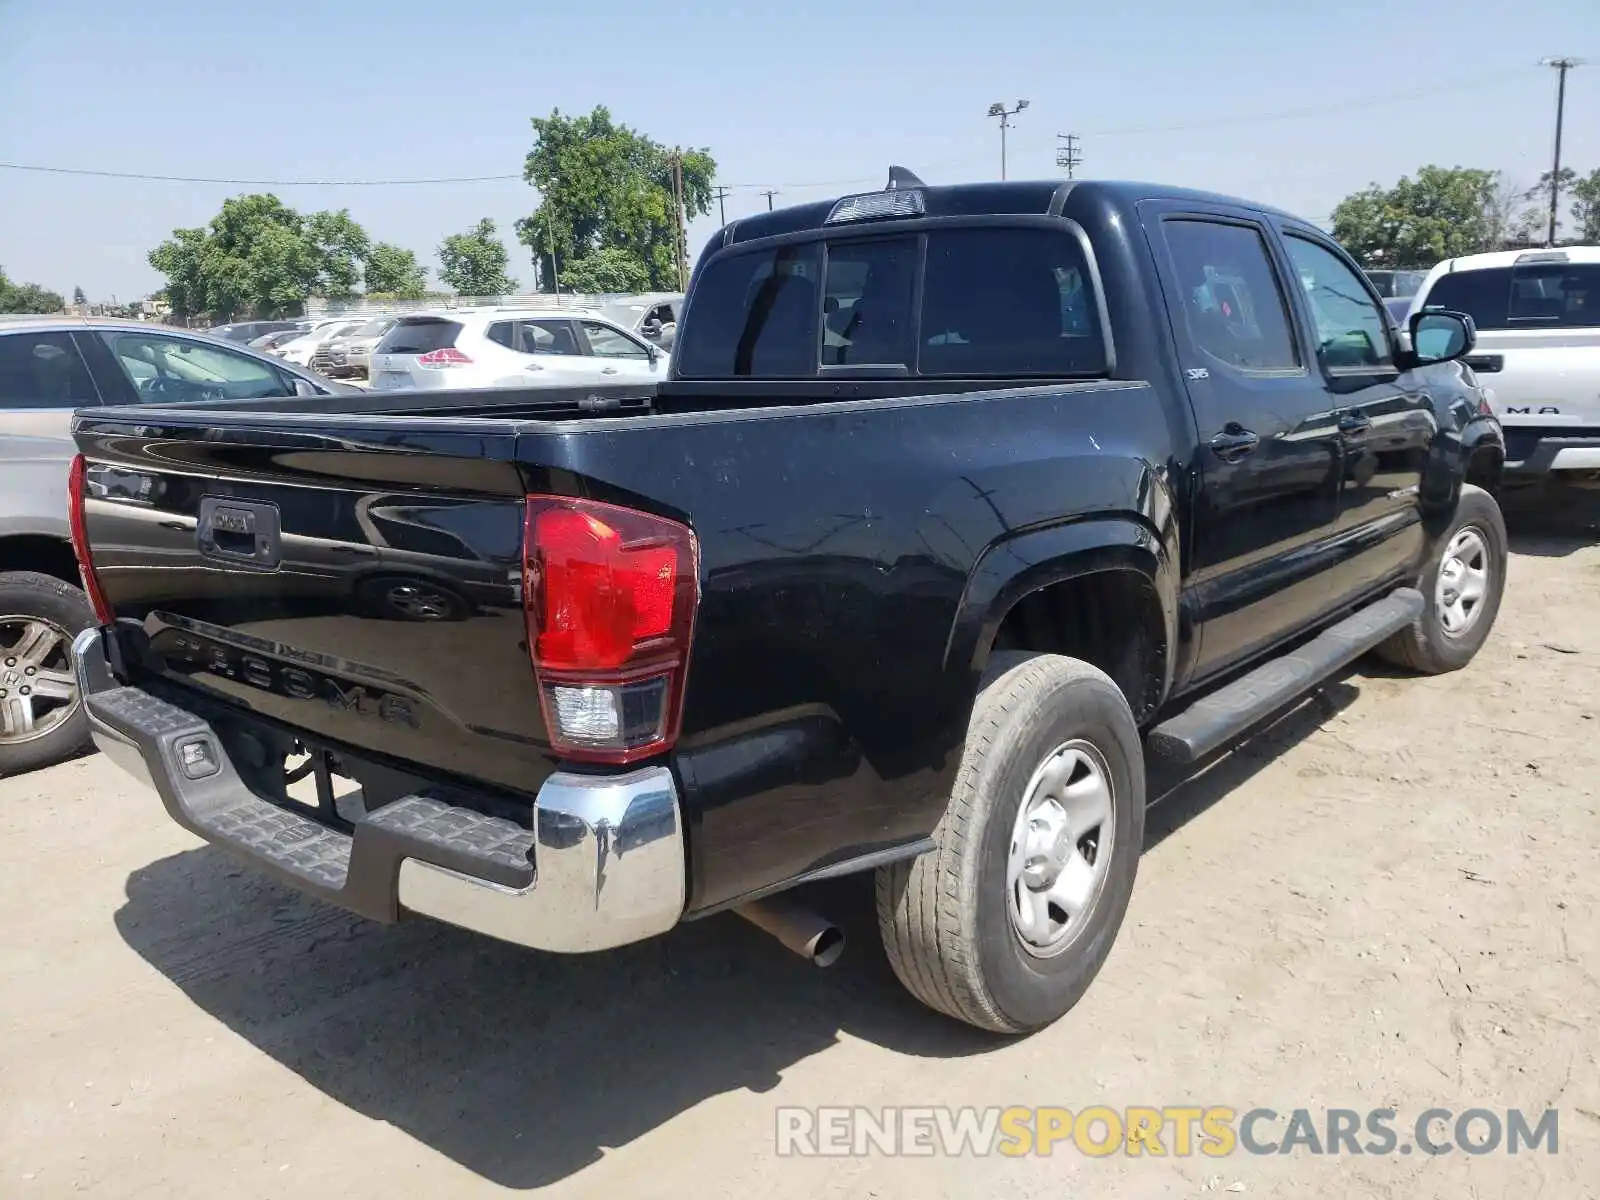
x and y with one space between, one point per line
167 370
43 370
866 303
1008 301
755 317
1232 303
548 337
1352 333
606 342
502 333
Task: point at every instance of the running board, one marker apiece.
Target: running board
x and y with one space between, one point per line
1208 724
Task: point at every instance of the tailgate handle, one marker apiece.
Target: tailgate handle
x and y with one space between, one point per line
246 532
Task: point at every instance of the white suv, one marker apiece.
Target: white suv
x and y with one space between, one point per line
1538 351
511 347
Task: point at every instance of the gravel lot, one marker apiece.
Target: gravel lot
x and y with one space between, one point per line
1390 899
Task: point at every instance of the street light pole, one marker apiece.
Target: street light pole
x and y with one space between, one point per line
1562 66
998 109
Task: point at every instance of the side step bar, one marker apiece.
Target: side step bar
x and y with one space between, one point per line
1210 723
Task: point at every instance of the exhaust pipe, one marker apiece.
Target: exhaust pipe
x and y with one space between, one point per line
800 929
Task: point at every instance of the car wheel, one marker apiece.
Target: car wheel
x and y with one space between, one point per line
1006 923
41 714
1461 590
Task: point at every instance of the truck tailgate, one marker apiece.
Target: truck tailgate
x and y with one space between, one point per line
1544 378
362 587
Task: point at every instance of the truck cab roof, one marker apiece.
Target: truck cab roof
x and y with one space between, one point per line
1007 198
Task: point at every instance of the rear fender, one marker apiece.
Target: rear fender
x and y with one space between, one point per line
1020 565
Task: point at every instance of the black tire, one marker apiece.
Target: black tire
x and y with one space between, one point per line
1426 646
43 597
945 916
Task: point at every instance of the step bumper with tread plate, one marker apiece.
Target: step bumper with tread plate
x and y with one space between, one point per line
602 866
1216 719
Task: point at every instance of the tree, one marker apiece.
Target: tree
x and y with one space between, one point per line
608 269
604 186
341 248
260 257
1443 212
474 262
78 297
1585 193
27 297
394 272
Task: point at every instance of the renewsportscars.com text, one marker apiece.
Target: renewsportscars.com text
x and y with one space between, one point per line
1158 1131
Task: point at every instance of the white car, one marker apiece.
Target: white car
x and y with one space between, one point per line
511 347
300 350
1538 351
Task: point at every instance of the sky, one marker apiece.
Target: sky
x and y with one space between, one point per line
1294 106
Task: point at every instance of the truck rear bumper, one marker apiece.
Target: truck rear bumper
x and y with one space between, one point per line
602 866
1542 455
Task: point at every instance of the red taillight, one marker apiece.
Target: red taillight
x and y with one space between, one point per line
610 595
447 357
80 543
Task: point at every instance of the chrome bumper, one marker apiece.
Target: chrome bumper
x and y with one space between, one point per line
608 865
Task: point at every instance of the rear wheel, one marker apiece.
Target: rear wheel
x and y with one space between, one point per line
41 713
1461 589
1007 922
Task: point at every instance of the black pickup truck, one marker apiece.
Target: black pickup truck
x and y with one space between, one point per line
956 503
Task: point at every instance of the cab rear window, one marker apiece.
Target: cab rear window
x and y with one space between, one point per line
1525 296
994 301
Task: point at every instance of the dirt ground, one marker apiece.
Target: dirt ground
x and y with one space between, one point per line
1390 899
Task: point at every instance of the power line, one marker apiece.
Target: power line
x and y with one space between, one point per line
1311 110
10 166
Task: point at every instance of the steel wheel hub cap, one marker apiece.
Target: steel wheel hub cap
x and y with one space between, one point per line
1463 582
37 689
1060 848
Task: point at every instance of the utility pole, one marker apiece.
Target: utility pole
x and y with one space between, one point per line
677 216
1067 153
1562 66
550 233
722 214
769 194
998 109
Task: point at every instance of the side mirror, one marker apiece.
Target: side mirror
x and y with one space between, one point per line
1438 336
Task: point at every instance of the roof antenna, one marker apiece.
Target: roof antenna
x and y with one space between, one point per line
899 177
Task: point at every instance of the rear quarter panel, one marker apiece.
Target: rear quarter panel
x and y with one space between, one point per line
840 634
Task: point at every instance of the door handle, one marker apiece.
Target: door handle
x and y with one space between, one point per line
1354 421
608 370
1234 442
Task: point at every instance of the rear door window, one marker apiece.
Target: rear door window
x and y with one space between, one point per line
419 337
43 370
1008 302
1233 306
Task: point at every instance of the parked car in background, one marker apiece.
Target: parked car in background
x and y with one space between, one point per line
653 316
247 331
1392 284
303 349
350 354
1538 351
511 347
48 367
269 341
1399 307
